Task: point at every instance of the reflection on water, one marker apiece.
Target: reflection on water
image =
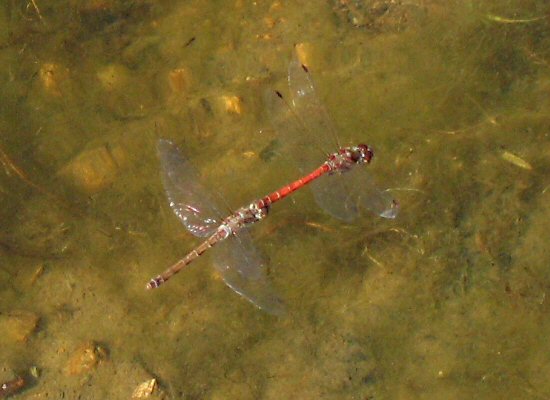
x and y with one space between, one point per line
446 301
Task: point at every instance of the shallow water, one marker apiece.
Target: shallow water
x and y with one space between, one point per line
448 301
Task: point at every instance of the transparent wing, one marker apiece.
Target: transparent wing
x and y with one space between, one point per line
244 271
332 195
344 196
341 197
303 123
186 196
292 133
319 127
371 198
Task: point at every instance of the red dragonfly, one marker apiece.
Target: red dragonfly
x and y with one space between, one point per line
240 265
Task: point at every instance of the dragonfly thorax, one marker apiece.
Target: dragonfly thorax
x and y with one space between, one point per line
241 218
347 157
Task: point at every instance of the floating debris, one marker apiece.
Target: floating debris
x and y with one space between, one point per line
504 20
37 10
34 371
11 168
12 387
38 272
145 389
517 161
318 226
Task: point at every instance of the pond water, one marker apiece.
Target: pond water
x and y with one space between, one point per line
447 301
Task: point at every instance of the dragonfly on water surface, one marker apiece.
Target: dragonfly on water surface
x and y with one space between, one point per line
303 124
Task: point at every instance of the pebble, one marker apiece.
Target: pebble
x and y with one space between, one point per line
95 169
18 325
85 358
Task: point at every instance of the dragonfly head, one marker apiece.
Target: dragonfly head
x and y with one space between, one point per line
361 153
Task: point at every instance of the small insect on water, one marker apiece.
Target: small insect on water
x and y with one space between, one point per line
303 124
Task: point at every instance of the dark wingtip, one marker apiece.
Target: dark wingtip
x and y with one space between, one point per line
392 211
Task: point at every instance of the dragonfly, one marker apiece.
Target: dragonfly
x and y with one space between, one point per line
308 132
239 263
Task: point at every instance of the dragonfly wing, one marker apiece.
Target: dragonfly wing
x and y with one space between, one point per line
341 197
244 271
188 199
302 123
292 132
369 197
332 195
345 195
318 124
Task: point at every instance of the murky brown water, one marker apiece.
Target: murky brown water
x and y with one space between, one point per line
446 302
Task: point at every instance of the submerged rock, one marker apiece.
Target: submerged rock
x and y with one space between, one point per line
95 169
85 358
18 325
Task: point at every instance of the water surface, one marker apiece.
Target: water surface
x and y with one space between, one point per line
448 301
